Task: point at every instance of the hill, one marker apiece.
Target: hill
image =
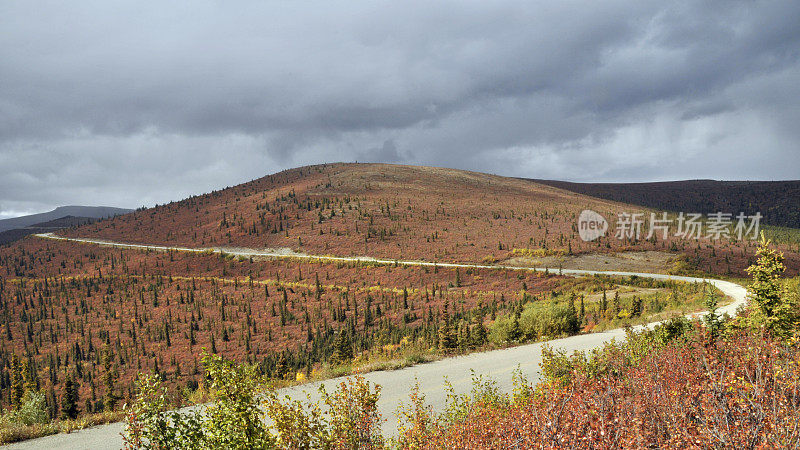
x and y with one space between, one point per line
777 201
379 210
94 212
406 212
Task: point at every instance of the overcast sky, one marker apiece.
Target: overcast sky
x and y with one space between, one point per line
135 103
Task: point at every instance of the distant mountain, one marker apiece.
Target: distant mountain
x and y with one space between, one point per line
93 212
777 201
9 236
64 222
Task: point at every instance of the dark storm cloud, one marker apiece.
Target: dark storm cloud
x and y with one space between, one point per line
138 103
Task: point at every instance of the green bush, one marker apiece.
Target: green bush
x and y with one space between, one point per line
234 420
774 306
33 409
558 367
29 420
537 321
549 319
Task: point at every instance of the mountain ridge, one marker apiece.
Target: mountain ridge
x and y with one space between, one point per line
777 201
94 212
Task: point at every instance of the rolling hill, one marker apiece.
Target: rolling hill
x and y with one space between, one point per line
403 212
379 210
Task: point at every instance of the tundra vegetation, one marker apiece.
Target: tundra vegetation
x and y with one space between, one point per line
406 212
78 341
719 382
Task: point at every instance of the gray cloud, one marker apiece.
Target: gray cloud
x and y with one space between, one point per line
133 104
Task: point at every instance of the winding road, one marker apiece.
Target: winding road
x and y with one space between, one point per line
396 385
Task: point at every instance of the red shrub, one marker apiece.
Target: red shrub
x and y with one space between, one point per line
742 392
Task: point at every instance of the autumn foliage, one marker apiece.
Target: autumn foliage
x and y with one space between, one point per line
742 391
403 212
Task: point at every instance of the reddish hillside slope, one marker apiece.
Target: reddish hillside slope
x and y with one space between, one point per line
369 209
402 212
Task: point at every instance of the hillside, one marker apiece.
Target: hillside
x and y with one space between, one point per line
777 201
402 212
367 209
67 308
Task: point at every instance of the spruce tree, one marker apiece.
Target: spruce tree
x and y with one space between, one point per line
447 337
479 334
69 401
343 348
777 310
281 366
573 325
636 306
16 383
109 379
604 302
514 332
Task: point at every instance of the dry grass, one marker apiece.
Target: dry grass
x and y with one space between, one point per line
12 432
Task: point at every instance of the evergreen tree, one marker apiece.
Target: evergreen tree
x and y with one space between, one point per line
604 302
69 401
342 347
636 306
30 379
573 324
281 366
777 310
109 379
52 401
479 334
17 382
514 332
447 337
464 337
712 319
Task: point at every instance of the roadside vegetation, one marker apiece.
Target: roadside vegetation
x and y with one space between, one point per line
719 382
715 383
